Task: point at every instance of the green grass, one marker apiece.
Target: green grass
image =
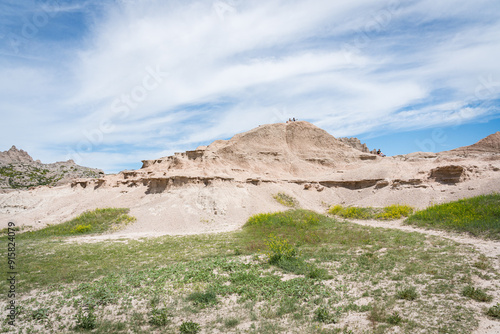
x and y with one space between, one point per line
409 293
494 311
387 213
286 200
90 222
479 216
157 284
476 293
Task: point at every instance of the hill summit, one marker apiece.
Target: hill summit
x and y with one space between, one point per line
280 150
488 144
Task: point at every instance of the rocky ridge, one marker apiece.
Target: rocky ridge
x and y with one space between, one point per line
297 153
18 170
356 143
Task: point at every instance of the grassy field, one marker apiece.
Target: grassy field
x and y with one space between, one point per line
387 213
479 216
296 271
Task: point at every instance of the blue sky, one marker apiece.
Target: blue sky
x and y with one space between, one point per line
109 83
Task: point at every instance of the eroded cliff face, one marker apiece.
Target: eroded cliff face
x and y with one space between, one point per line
300 153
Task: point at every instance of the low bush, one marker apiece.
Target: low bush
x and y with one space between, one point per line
286 200
394 318
476 293
494 311
203 299
323 315
189 327
409 293
394 212
279 249
86 318
159 317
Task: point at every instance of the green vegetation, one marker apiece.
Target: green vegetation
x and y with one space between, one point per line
286 200
494 311
295 270
203 299
89 222
159 317
23 176
279 249
86 318
31 177
476 293
394 318
409 293
189 327
389 212
479 216
323 315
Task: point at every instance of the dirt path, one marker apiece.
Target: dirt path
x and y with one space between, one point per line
489 248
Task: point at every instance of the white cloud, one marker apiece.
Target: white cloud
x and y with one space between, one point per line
351 67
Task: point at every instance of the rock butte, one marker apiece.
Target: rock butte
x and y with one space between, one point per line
217 187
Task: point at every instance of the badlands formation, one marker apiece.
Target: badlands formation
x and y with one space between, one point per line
217 187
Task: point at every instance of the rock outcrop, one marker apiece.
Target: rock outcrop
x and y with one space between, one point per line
356 143
18 170
13 155
295 153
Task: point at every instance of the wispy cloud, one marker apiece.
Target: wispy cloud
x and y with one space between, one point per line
139 78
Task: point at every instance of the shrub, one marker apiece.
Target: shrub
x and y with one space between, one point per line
286 200
231 322
189 327
394 318
323 315
279 249
351 212
409 293
494 311
395 212
81 229
476 293
203 298
334 210
86 318
159 317
40 314
318 273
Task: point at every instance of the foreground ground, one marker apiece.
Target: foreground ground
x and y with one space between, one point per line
295 272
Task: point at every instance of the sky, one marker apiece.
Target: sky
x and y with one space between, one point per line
109 83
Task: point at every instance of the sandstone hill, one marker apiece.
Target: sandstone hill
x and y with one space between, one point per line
217 187
18 170
489 144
